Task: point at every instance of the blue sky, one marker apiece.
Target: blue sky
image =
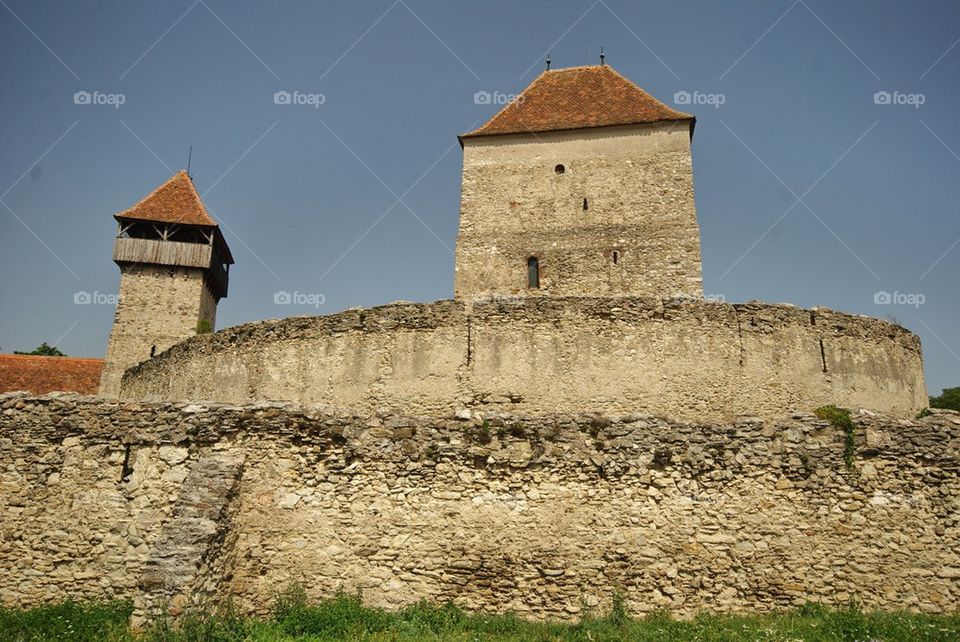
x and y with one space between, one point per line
811 188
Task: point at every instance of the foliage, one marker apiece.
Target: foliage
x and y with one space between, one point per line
204 326
342 617
43 350
345 618
66 621
949 399
221 626
484 436
618 609
840 417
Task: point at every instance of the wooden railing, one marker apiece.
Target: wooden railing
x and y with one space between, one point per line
162 252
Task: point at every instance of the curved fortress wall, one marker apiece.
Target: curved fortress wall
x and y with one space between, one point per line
544 355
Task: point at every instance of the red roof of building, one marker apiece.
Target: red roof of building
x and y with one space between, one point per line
575 98
176 202
41 375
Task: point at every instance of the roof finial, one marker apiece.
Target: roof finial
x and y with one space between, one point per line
602 56
189 158
548 62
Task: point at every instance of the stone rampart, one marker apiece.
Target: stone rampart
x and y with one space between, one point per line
683 359
174 504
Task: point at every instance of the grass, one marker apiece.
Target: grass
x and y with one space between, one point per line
345 618
66 621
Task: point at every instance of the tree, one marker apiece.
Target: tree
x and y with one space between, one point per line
43 350
949 399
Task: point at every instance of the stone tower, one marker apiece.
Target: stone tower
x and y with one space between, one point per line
174 265
582 185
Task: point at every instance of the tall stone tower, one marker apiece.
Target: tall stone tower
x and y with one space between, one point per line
583 185
174 265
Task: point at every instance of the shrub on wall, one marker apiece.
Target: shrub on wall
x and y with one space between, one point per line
840 417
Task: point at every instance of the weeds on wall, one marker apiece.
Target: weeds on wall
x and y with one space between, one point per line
485 437
840 417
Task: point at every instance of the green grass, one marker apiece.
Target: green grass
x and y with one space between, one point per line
66 621
345 618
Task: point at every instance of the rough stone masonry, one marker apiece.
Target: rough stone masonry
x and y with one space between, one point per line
684 359
529 480
178 504
578 288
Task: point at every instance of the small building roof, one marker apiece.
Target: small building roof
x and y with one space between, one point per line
175 202
576 98
40 375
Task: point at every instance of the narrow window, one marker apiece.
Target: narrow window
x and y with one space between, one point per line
616 257
585 204
559 169
127 469
533 272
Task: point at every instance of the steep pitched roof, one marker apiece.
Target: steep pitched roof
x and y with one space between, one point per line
176 202
41 375
578 97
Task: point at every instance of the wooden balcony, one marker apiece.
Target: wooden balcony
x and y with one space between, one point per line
133 250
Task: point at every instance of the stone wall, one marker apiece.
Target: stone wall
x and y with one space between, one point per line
627 190
526 355
157 306
172 504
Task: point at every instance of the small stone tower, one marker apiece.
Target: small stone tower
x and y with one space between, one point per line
581 186
174 265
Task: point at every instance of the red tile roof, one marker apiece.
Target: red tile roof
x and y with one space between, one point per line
578 97
176 201
41 375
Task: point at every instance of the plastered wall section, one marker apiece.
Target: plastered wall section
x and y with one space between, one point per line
157 306
624 190
541 355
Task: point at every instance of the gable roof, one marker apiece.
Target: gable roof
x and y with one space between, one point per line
175 202
40 375
575 98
